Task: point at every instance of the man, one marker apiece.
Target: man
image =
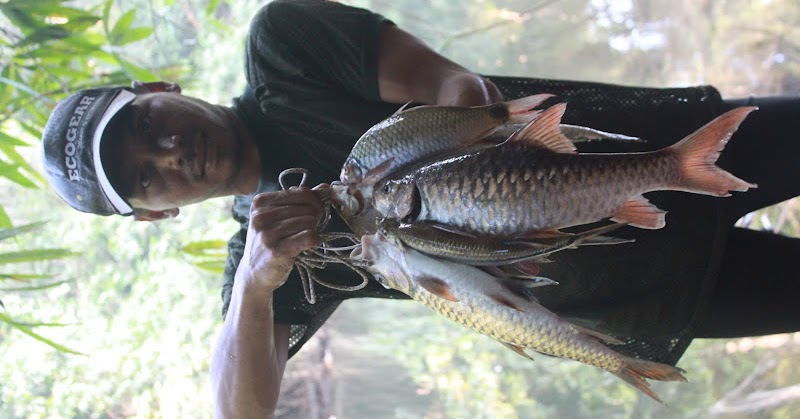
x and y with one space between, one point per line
319 74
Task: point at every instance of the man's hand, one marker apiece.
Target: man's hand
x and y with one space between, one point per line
462 88
282 225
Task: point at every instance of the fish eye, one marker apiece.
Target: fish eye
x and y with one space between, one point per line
387 188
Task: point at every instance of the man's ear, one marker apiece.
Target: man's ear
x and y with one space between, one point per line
155 86
149 215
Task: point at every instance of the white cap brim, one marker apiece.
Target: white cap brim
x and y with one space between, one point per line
123 98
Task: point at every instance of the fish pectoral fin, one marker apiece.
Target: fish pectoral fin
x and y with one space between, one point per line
505 301
598 335
639 212
518 349
521 287
594 236
545 131
527 267
378 172
437 287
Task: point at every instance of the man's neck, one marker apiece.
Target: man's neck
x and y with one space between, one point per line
248 178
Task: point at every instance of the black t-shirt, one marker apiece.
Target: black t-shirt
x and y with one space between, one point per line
313 90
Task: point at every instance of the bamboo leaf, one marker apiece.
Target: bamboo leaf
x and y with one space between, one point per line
212 5
10 172
6 233
5 221
23 277
216 267
7 139
36 287
135 72
204 247
21 162
4 317
134 34
107 16
122 25
34 255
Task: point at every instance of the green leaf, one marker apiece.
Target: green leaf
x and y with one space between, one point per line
134 34
23 277
212 5
34 255
7 139
5 220
36 287
135 72
205 247
24 329
19 86
107 16
6 233
122 25
21 162
215 266
10 172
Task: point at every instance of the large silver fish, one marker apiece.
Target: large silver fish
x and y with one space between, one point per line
536 181
419 133
500 308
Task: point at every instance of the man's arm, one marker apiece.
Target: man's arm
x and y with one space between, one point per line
248 364
408 70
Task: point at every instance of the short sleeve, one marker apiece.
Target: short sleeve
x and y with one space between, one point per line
314 47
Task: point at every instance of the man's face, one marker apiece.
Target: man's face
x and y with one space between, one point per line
166 150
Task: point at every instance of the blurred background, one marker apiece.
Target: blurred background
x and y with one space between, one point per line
109 318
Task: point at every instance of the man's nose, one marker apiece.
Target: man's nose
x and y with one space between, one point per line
168 151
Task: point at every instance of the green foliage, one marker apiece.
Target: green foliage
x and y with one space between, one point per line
23 256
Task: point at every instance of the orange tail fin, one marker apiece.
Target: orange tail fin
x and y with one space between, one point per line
520 110
636 370
699 152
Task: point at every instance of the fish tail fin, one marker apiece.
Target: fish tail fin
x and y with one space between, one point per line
699 152
635 371
521 110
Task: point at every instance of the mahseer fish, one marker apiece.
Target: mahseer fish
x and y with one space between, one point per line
537 181
420 133
502 309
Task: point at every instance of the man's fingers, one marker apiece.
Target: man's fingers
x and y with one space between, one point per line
261 218
295 244
292 196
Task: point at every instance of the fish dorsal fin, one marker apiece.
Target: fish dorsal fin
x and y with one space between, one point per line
402 108
449 229
437 287
544 131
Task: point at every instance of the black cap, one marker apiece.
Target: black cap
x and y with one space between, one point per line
71 145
